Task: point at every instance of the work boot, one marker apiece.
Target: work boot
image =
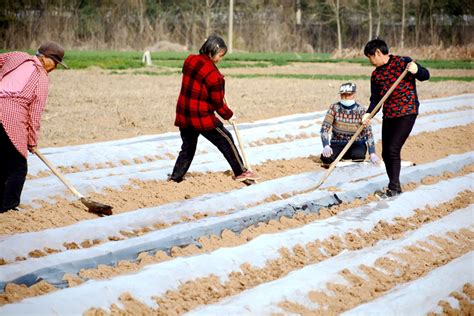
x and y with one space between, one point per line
247 175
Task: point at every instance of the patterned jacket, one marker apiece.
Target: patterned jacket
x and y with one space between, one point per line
344 122
202 93
23 95
404 99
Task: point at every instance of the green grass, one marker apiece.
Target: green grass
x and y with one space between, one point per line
130 60
302 76
288 76
337 77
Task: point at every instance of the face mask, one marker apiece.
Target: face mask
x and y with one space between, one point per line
347 103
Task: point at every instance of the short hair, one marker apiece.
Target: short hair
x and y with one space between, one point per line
375 44
212 46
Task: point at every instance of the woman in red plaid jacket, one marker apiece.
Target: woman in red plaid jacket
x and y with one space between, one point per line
202 94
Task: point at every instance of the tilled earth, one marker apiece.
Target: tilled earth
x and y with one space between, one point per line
207 292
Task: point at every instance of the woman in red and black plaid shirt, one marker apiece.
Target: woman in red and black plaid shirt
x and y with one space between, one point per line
202 94
399 110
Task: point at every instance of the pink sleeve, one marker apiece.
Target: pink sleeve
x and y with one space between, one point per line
36 109
4 57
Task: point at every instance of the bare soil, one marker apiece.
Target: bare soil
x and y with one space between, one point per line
94 105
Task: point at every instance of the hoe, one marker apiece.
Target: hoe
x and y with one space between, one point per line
93 207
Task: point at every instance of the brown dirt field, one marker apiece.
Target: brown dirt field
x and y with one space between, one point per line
88 106
94 105
421 148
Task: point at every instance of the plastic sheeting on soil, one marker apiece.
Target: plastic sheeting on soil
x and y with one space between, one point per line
437 285
53 267
156 279
264 299
96 180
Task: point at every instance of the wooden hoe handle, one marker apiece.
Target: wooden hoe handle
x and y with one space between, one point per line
58 174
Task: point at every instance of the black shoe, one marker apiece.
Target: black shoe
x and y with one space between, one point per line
9 209
170 179
387 193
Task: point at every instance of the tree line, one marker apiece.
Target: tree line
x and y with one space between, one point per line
258 25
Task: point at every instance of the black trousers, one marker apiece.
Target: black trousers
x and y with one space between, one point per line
357 151
395 132
219 137
13 170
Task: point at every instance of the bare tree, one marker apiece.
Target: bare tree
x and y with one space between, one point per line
379 18
370 19
208 13
402 32
335 6
432 26
231 26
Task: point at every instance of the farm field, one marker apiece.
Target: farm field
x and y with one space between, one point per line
211 245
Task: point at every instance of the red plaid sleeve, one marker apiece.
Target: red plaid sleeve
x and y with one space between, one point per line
216 88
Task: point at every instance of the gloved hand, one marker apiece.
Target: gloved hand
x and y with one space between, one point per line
233 119
413 67
365 119
374 158
327 151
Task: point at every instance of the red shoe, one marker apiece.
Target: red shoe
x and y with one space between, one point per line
247 175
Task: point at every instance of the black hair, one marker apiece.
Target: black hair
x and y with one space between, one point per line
375 44
212 46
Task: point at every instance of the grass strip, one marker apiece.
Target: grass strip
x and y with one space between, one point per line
129 60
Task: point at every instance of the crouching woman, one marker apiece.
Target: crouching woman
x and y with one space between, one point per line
344 118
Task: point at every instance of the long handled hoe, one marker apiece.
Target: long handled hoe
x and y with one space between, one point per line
94 207
359 130
241 145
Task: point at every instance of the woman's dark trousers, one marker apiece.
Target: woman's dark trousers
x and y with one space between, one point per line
395 132
219 136
13 170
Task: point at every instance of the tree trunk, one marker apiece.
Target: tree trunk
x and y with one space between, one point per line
335 5
370 20
231 25
379 18
419 17
338 21
402 33
209 4
141 17
432 33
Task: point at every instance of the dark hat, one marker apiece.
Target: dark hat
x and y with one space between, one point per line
53 51
347 87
